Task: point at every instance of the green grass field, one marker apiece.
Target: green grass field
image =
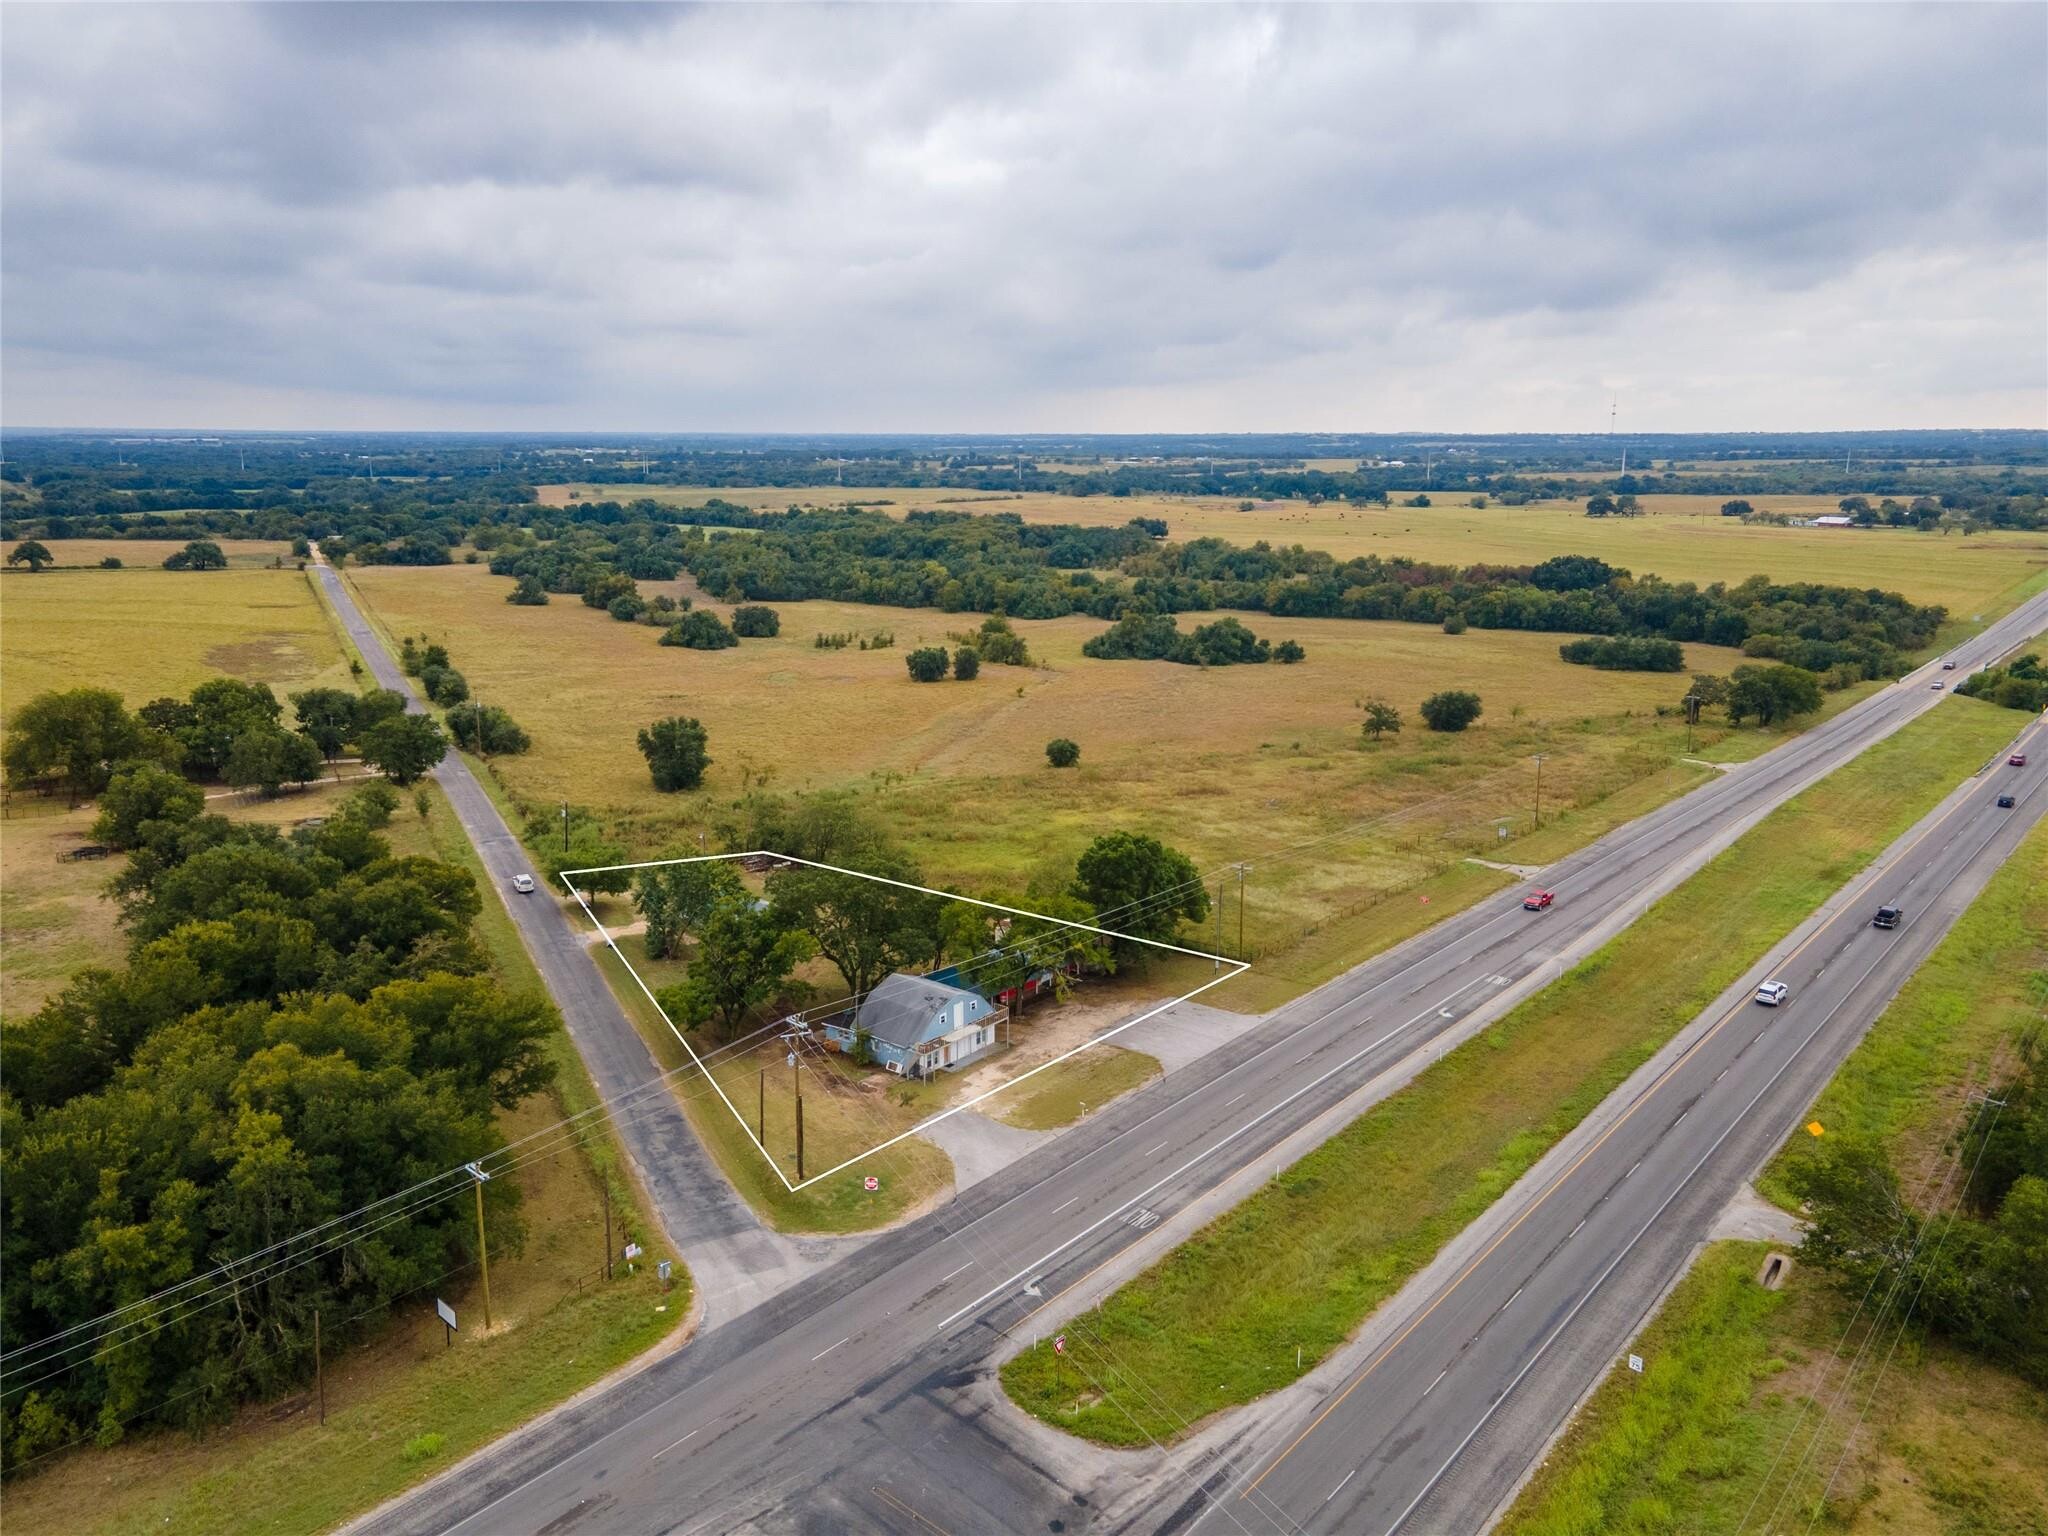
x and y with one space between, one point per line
1302 1263
1681 538
1734 1371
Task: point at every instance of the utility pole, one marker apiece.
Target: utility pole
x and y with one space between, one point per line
761 1113
607 1231
1539 789
483 1254
1217 965
319 1374
1240 909
799 1138
565 826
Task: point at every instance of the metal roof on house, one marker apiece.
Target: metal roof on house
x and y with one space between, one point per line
902 1008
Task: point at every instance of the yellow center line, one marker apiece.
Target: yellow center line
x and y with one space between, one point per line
1869 877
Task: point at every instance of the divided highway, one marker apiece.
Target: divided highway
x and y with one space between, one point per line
1434 1427
859 1398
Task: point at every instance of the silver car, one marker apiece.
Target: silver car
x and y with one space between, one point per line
1772 993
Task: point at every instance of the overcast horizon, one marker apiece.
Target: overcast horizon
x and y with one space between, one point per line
989 220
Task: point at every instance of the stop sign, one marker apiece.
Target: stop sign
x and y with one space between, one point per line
871 1183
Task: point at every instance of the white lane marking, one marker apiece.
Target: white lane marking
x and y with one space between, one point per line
960 1271
1440 1375
1156 1150
670 1446
1228 1102
1656 1216
1340 1487
1039 1265
1510 1301
1575 1230
1300 1059
821 1354
1632 1170
1058 1208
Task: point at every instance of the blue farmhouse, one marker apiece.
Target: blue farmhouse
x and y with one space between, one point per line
918 1025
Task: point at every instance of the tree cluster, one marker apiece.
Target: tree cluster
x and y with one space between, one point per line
302 1026
2020 684
1975 1273
1157 637
1625 653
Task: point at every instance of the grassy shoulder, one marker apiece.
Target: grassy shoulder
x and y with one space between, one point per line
1060 1095
1954 1443
1730 1372
1300 1265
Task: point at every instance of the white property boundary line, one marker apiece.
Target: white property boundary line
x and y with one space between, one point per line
1236 969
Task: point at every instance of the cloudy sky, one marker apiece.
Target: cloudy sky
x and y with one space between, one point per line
1054 218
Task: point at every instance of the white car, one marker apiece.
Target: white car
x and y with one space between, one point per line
523 884
1772 993
1935 685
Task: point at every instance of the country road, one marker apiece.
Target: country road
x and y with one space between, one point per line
734 1260
862 1398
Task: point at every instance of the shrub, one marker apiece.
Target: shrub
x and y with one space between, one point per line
626 607
422 1447
528 594
1062 753
111 563
1454 623
1288 652
927 663
966 664
1451 710
756 622
488 729
700 631
444 685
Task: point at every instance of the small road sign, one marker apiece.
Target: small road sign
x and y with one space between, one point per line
871 1183
663 1270
1059 1344
1635 1363
632 1251
446 1312
1815 1128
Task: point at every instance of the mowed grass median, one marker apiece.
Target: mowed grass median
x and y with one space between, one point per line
1266 1291
1735 1372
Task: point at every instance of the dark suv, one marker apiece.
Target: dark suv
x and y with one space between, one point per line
1887 917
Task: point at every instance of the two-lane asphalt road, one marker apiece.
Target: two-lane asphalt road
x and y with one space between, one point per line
734 1260
857 1399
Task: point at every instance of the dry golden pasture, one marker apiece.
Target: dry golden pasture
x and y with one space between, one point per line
1230 763
1681 538
148 632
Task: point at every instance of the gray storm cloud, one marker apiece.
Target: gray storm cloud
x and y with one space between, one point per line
1150 218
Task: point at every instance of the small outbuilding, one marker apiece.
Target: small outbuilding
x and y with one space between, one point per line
918 1025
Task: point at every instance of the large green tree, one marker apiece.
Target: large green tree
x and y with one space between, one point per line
76 738
865 927
405 747
31 553
1140 886
677 899
677 753
142 797
745 957
328 716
